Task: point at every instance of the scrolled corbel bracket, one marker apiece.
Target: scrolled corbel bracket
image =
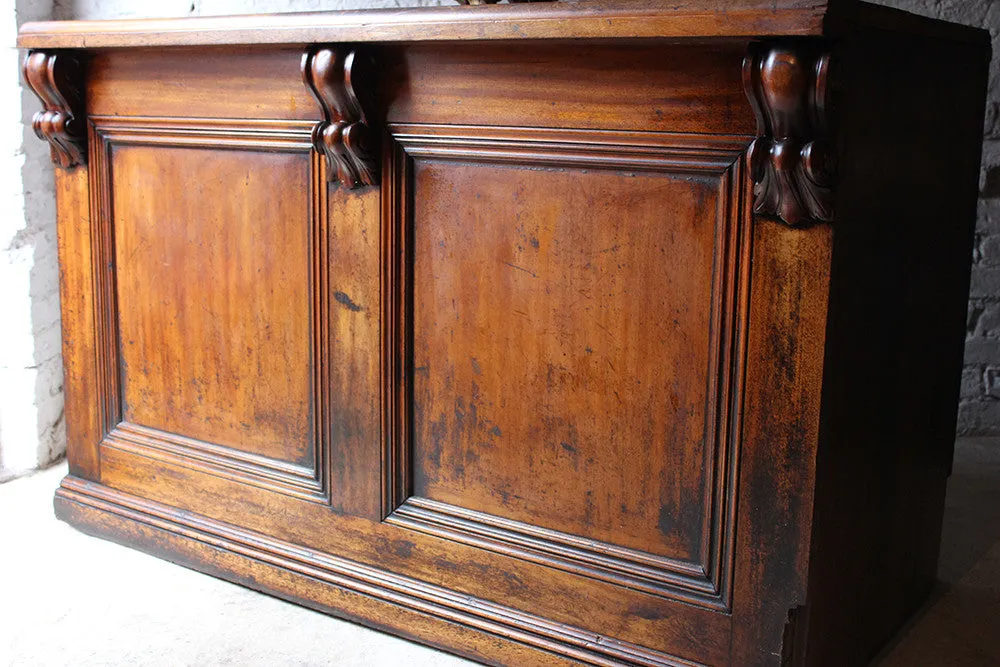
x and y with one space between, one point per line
57 79
342 81
792 159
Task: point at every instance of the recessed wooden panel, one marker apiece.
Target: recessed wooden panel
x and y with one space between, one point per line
565 337
551 339
163 344
214 295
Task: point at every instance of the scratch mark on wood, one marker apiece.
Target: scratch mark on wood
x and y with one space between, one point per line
521 268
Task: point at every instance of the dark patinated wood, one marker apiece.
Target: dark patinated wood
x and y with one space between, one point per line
57 79
789 289
792 159
899 284
544 334
340 78
588 19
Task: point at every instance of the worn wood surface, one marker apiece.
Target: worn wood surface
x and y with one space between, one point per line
84 429
899 284
240 84
482 343
527 327
582 20
589 19
629 87
781 420
213 323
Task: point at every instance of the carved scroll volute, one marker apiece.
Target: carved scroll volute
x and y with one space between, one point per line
792 160
342 81
57 80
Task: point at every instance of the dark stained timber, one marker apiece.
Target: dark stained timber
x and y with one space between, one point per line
57 79
792 160
340 78
544 333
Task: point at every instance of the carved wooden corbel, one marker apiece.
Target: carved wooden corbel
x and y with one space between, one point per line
57 79
340 78
792 160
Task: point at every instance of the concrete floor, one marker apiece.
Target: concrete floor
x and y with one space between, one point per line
68 599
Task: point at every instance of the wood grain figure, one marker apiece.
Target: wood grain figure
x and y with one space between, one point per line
544 333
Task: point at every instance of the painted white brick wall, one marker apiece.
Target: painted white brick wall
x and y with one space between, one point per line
31 426
31 429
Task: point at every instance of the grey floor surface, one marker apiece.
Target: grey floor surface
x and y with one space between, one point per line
69 599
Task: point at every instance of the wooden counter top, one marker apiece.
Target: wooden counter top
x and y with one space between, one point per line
617 19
